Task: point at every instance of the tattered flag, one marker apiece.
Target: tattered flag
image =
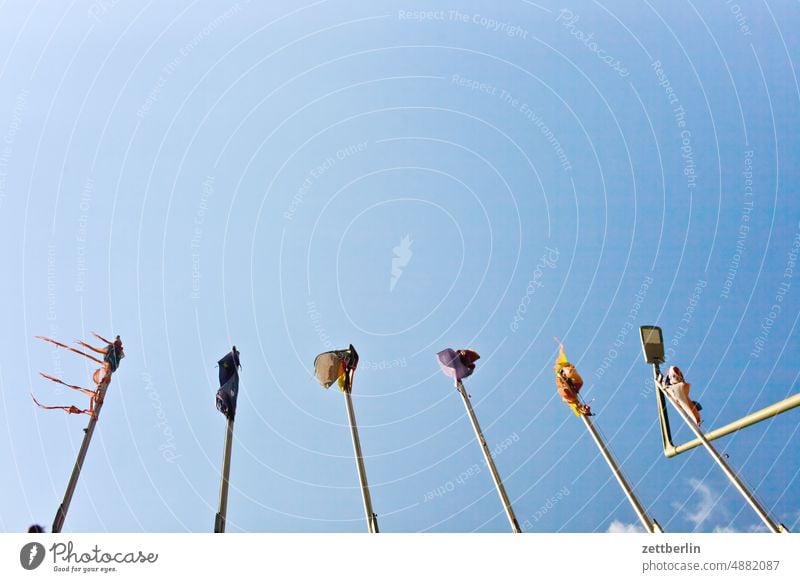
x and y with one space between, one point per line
458 364
112 354
71 409
678 387
335 366
228 383
569 384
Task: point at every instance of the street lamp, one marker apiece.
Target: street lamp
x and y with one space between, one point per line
653 348
652 344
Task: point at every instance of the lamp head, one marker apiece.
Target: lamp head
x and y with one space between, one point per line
652 344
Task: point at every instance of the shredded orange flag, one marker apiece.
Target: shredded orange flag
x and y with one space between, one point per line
66 347
68 409
112 354
86 391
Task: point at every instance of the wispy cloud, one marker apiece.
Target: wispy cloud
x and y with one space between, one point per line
705 505
619 527
707 502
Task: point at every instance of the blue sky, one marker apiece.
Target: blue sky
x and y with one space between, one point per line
202 174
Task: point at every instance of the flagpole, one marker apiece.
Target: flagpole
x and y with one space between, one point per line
487 455
729 472
651 526
222 514
372 518
61 514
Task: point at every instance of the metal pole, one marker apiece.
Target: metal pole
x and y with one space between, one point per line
222 514
372 518
744 422
650 525
61 514
762 513
487 455
663 415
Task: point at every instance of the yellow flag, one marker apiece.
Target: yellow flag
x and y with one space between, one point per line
562 359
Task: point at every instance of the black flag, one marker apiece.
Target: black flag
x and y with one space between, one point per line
228 383
114 353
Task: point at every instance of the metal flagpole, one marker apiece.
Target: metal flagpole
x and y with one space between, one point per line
219 522
762 513
651 526
372 518
61 514
228 396
487 455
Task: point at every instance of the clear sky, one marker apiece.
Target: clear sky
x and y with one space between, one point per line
403 176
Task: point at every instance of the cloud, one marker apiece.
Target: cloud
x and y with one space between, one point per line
619 527
754 528
708 503
704 507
